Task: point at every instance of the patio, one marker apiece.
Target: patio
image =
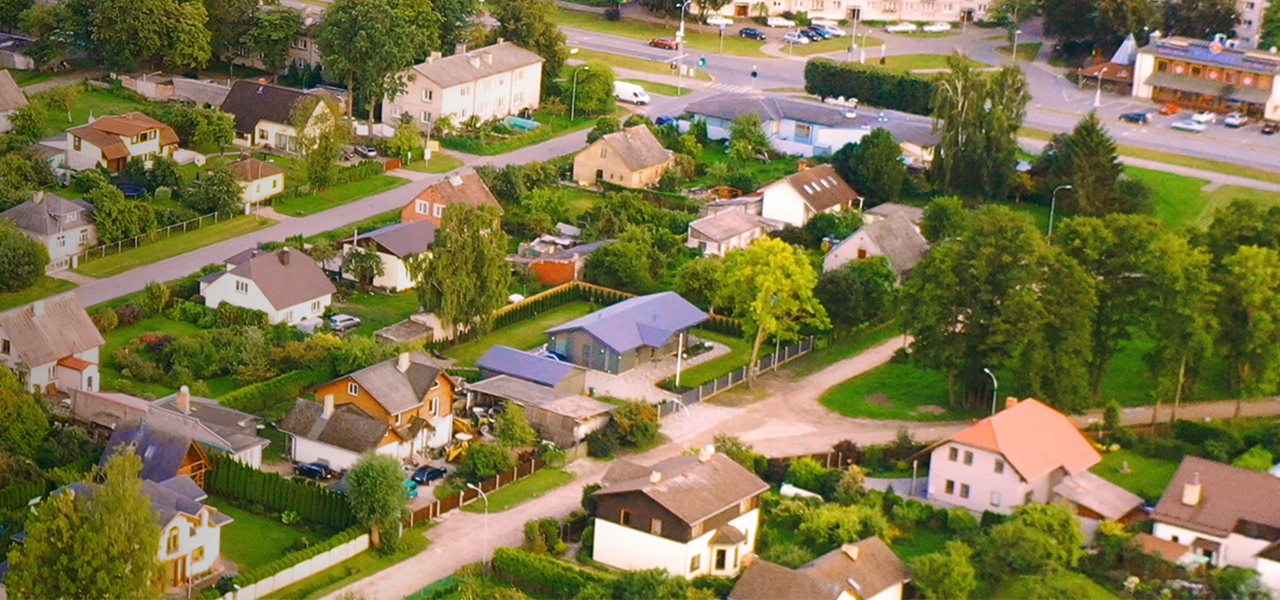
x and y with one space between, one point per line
640 383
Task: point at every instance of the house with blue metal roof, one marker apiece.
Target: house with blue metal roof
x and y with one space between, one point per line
616 338
1210 75
539 369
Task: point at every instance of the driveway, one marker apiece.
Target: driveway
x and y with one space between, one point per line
640 383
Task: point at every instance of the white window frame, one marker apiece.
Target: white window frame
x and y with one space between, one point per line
435 407
242 286
353 389
423 207
437 210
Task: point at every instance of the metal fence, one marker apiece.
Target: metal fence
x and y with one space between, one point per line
468 495
782 356
113 248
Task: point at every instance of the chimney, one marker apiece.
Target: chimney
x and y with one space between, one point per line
204 516
402 362
328 407
803 165
499 41
850 550
706 452
1191 491
284 256
184 400
655 477
434 57
37 308
39 197
455 180
1010 402
459 48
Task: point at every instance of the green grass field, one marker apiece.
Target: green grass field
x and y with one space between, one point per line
96 102
1147 477
842 348
661 89
379 310
354 569
526 489
337 195
1027 51
179 243
253 541
739 355
914 62
44 287
700 38
920 542
892 391
441 162
1177 198
835 44
1221 197
522 335
634 63
1064 583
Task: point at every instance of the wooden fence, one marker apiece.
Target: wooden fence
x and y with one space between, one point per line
731 380
469 495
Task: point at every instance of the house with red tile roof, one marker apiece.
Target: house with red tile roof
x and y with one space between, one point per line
111 141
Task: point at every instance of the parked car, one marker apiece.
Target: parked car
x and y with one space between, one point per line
1140 118
1205 117
1270 128
1169 109
829 28
813 37
1235 120
366 151
818 31
939 27
315 471
751 33
793 37
779 22
719 20
1191 125
665 42
630 92
343 322
660 121
425 475
903 27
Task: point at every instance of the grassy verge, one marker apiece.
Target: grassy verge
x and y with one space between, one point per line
662 89
835 44
523 335
1027 51
96 102
1177 199
180 243
521 491
1224 195
739 355
633 63
354 569
920 542
43 287
840 349
375 222
379 310
253 541
337 195
552 126
893 391
1063 583
1147 477
23 78
441 162
701 38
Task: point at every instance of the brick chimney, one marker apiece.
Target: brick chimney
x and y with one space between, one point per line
706 452
851 551
402 362
655 477
1010 402
1191 491
328 407
37 308
284 256
184 400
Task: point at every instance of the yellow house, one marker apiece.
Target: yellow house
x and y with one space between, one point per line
264 114
632 158
259 180
112 141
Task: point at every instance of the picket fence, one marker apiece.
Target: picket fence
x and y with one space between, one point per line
300 571
155 235
731 380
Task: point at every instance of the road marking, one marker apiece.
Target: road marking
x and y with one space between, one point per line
724 87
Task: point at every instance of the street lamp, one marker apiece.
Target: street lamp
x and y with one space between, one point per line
995 386
1053 204
485 497
1097 96
680 49
1015 45
573 101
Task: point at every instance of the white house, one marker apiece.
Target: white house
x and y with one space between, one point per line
52 345
264 114
725 231
112 141
65 227
796 198
204 420
488 83
11 99
866 570
285 284
691 515
259 180
319 432
394 245
895 238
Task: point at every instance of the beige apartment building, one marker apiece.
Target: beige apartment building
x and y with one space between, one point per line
868 10
490 83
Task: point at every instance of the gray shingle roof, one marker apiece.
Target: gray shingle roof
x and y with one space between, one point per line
1228 496
162 452
208 422
169 498
49 215
579 250
401 239
202 92
903 245
769 108
763 580
637 147
875 569
530 367
396 391
691 489
64 330
476 64
642 321
348 427
286 277
527 393
725 224
250 102
1099 495
11 96
915 214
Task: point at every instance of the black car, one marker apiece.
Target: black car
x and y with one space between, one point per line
1270 128
1140 118
315 471
425 475
818 31
813 37
751 33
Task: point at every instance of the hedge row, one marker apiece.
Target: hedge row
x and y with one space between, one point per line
869 84
363 170
313 503
18 495
273 392
542 574
285 562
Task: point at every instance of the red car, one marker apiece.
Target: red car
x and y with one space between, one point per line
664 42
1169 109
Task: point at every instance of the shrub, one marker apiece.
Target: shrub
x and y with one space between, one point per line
106 320
155 298
187 311
806 473
128 314
235 316
870 84
273 392
542 574
483 461
961 522
542 536
276 494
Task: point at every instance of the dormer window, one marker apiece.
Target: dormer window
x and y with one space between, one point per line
71 217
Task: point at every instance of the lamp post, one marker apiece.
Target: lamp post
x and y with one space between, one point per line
995 386
1053 205
680 49
573 100
1015 45
1097 96
485 497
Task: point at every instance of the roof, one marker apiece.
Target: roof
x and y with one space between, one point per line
64 329
763 580
875 569
286 277
11 96
73 363
1109 71
1034 438
1099 495
1166 549
902 244
529 367
728 535
576 251
641 321
348 427
208 422
689 488
252 169
821 188
1230 497
1203 52
725 224
1207 87
169 498
915 214
202 92
770 108
637 147
251 101
397 392
106 132
476 64
49 215
465 187
1271 552
162 452
527 393
401 239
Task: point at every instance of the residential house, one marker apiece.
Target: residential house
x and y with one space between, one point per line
866 570
12 52
285 284
410 393
895 238
159 87
691 515
52 345
486 83
631 158
564 266
961 12
1168 551
64 227
616 338
564 418
1227 516
112 141
796 198
221 428
165 454
395 245
542 370
105 412
335 435
464 187
264 114
1027 452
725 231
303 53
1208 75
565 237
259 180
883 211
11 99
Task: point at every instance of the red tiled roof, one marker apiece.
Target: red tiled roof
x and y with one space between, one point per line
71 362
1034 438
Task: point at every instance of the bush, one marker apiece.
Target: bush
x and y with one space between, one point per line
155 298
187 311
542 574
483 461
106 320
128 314
869 84
805 473
274 392
542 536
235 316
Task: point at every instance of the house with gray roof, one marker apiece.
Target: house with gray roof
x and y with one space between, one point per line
285 284
64 227
222 429
535 368
487 83
691 515
616 338
884 210
727 230
334 436
11 99
52 345
563 418
631 158
264 113
895 238
165 454
394 245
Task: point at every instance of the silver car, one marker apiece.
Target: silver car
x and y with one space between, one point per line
344 322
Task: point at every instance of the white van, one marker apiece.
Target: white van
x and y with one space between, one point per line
630 92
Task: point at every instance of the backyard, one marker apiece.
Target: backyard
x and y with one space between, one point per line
1147 477
90 102
362 565
739 355
43 287
253 541
379 310
299 206
894 391
697 37
113 379
178 243
523 335
487 141
523 490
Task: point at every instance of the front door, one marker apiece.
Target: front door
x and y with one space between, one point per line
178 571
854 14
720 558
740 10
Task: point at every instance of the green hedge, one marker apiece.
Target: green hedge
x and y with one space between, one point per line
873 85
290 560
542 574
273 392
313 503
363 170
18 495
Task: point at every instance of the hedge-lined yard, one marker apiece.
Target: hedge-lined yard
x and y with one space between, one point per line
522 335
337 195
253 541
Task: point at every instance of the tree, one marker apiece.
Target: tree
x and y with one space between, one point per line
769 287
22 259
230 22
52 28
99 545
483 461
1270 34
1249 314
944 218
1256 458
218 190
698 280
873 166
117 218
187 39
469 249
595 90
1240 223
11 10
28 121
512 428
165 172
375 489
458 25
370 44
859 292
531 25
406 140
1181 324
323 138
211 127
977 117
1200 18
747 141
637 263
23 424
273 30
604 125
62 98
1054 359
1114 20
1038 539
1086 160
364 264
946 575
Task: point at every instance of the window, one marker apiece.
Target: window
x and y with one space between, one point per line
999 465
968 457
426 117
437 211
4 347
173 540
604 152
803 132
624 517
423 207
995 498
1196 71
462 92
287 316
951 487
53 372
655 526
315 306
263 135
482 107
953 454
695 563
519 76
1174 539
502 102
518 98
62 241
398 419
428 95
275 183
299 62
197 555
1028 499
353 389
242 287
75 140
964 490
1249 6
720 559
299 43
435 407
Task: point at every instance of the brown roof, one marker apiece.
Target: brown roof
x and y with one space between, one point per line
63 330
1166 549
286 277
763 580
866 568
348 427
691 489
465 187
106 132
11 96
1271 552
252 169
251 102
1231 498
398 391
1034 438
637 147
1099 495
821 187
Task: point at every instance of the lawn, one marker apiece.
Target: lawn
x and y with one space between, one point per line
916 62
379 310
700 38
112 378
761 171
1027 51
43 287
634 63
1224 195
377 221
354 569
661 89
1064 584
523 335
337 195
920 542
528 488
1147 477
179 243
840 349
738 356
95 102
893 391
580 201
253 541
440 162
488 143
1177 199
835 44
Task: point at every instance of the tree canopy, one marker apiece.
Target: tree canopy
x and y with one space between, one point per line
22 259
859 292
873 166
465 275
531 25
370 44
977 116
375 489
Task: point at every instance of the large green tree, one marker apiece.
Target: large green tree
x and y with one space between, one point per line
977 116
1270 35
747 140
531 25
465 276
54 31
1086 159
1200 18
187 42
370 44
375 489
325 136
365 264
1240 223
229 21
698 280
117 218
131 33
594 90
944 218
11 9
639 262
217 190
272 31
23 424
1249 313
873 166
22 259
859 292
1182 323
946 575
458 24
